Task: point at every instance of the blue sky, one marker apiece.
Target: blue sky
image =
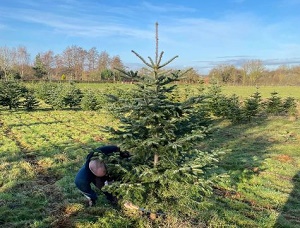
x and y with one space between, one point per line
203 33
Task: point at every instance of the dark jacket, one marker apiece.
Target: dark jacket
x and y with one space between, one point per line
105 150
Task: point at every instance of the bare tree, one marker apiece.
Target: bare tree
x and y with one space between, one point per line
92 58
253 70
80 57
192 76
279 74
116 65
58 66
7 56
103 62
74 59
22 60
225 74
47 58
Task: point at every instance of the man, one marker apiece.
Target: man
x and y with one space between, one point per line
94 171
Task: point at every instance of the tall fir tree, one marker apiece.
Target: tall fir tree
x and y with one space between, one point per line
39 67
168 170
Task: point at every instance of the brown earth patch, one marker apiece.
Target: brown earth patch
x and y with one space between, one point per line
284 158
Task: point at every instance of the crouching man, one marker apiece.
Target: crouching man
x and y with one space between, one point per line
94 171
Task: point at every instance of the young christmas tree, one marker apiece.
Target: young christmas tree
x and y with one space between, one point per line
168 170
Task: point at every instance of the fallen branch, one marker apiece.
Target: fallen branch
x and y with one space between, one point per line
151 215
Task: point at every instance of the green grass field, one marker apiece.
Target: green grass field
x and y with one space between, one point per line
41 151
241 91
246 91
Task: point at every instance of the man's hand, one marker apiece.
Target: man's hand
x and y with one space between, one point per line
91 202
108 182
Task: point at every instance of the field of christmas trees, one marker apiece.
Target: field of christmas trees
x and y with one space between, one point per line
42 150
199 158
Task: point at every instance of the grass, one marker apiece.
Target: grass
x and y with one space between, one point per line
41 151
264 171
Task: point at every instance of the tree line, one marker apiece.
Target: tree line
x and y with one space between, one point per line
74 63
77 64
253 72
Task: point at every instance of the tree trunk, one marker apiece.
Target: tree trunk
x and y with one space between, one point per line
155 159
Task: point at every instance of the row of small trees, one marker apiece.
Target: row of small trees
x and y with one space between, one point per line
237 111
15 95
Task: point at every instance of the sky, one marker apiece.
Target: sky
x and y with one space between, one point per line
204 34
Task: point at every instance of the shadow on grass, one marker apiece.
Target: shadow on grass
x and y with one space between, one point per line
40 190
50 198
240 202
247 147
37 123
290 214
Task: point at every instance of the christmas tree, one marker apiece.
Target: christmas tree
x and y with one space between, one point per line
168 170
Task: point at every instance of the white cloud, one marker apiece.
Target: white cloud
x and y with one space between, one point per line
183 30
77 26
163 8
232 31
